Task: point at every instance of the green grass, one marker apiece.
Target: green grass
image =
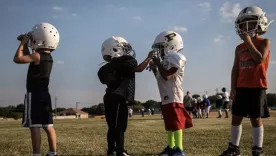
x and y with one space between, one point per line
145 136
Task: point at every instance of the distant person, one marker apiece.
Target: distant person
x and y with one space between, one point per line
188 102
207 104
219 105
225 101
143 112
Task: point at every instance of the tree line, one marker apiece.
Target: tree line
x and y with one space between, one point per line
16 112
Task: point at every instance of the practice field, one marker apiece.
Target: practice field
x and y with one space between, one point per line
145 136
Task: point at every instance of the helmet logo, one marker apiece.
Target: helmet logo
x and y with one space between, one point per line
170 37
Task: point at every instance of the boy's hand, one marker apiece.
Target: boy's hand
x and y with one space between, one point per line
246 38
150 55
156 60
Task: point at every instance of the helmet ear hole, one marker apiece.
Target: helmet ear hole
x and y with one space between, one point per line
114 49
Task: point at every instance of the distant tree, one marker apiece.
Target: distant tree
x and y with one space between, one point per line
100 109
212 99
59 110
20 107
150 104
195 96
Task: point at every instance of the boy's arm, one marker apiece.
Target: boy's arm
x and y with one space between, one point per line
258 55
145 63
22 54
234 75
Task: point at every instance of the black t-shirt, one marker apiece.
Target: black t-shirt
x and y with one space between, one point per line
38 76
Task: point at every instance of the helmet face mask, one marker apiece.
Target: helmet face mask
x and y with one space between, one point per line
159 50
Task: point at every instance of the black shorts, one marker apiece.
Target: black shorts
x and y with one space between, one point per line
250 102
116 112
37 110
189 109
225 105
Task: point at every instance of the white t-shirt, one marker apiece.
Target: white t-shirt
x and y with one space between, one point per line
171 90
225 96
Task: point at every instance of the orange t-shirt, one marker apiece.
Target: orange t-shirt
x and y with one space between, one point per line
251 74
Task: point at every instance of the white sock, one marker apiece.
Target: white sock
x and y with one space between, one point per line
258 136
236 132
52 153
36 154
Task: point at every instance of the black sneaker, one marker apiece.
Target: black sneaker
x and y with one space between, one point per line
231 151
257 151
123 154
178 152
167 151
111 154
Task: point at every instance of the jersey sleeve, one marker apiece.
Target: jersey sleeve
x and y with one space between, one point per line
174 60
101 73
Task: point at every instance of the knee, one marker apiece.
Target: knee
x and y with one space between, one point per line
256 122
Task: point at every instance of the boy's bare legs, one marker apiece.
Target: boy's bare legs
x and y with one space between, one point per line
36 139
52 139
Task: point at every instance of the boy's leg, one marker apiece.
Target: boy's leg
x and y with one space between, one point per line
257 132
52 140
110 115
258 110
122 126
171 140
36 139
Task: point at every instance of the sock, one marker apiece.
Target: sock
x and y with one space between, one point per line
258 136
178 138
36 154
52 153
236 132
171 139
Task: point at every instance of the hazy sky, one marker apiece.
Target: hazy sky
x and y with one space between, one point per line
207 28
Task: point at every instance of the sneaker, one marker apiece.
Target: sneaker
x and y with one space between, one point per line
231 151
167 151
123 154
257 151
178 152
111 154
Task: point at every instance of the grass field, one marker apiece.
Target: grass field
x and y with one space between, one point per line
145 136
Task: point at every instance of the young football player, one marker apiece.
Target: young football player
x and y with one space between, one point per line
43 39
249 79
119 77
169 74
207 105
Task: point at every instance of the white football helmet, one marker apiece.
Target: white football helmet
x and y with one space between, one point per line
44 35
204 96
219 97
199 99
167 41
116 46
252 20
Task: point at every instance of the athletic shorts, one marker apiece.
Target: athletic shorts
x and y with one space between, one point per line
207 109
225 105
251 103
37 110
176 117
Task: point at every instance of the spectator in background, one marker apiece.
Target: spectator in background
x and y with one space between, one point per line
188 102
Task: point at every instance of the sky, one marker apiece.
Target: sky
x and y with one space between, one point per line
207 29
